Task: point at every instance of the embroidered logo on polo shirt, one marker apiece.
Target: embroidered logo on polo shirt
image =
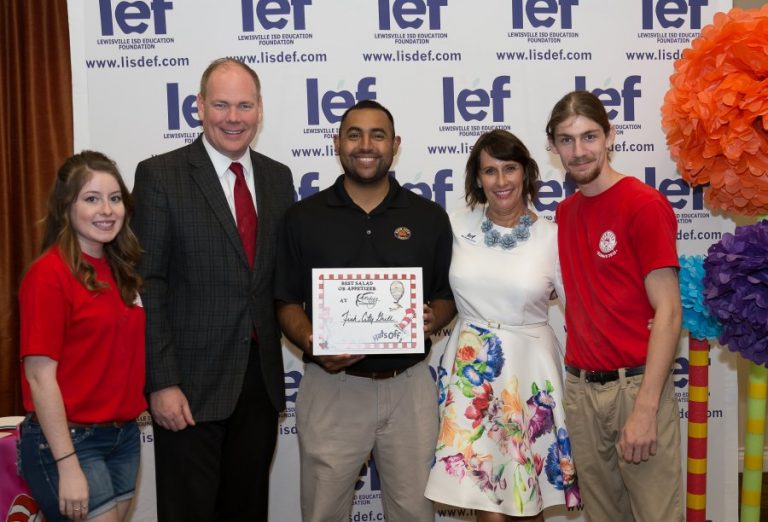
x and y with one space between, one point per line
402 233
607 244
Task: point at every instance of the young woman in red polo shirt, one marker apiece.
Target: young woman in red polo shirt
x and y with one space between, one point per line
82 348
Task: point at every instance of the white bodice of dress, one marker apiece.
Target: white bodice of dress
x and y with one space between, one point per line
512 286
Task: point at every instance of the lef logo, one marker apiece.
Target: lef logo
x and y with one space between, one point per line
473 104
332 104
180 108
410 14
666 14
370 475
133 17
306 187
543 13
681 371
292 378
622 99
437 191
274 14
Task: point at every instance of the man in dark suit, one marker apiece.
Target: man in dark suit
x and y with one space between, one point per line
207 216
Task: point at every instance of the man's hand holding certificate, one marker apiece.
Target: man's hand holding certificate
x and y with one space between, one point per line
367 311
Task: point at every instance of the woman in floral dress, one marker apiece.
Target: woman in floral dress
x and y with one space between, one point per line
503 448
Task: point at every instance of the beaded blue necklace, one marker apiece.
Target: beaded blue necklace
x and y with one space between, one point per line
518 233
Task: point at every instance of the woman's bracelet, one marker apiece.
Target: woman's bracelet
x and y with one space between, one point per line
64 457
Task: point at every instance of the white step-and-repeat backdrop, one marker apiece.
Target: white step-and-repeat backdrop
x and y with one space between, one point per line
448 70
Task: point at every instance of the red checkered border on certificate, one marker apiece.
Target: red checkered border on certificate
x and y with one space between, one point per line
406 324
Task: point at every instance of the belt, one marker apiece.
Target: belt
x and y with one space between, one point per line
76 425
376 375
604 376
525 329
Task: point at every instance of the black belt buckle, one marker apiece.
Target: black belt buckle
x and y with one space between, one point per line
376 375
601 376
604 376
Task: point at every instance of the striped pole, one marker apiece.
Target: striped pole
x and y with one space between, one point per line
698 396
753 444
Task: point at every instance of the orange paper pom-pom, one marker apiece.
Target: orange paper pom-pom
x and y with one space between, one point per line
714 113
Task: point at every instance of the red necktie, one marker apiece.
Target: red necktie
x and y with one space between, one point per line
247 221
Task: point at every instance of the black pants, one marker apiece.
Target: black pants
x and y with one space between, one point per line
219 471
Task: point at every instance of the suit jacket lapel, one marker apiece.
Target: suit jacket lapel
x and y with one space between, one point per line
204 175
268 224
261 184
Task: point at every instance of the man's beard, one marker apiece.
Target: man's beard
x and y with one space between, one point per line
587 177
351 173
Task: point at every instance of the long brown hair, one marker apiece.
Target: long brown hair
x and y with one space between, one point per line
122 253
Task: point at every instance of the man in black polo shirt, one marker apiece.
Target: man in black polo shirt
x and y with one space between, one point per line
349 405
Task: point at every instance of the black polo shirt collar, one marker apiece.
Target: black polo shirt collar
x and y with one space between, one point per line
395 198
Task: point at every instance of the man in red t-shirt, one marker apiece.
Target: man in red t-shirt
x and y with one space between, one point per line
616 240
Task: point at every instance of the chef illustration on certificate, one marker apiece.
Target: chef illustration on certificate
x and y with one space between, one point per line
364 311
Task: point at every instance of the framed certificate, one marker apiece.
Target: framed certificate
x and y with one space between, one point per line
367 311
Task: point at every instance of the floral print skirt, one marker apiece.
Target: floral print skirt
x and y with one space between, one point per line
503 444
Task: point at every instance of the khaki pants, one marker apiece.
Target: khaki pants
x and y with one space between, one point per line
341 418
612 489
